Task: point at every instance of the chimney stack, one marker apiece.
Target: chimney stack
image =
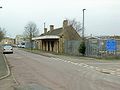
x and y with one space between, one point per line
65 23
45 30
51 27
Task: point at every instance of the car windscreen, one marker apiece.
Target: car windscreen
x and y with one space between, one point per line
7 47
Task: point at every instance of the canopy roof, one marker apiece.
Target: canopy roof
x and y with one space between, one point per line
46 37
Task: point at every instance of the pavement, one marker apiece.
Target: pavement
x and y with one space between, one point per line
6 79
31 87
4 69
7 83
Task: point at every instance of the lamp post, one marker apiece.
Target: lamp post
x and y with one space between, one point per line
0 7
83 25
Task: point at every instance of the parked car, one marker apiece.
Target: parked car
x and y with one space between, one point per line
21 45
7 49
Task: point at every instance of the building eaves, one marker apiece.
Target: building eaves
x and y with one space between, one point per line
46 37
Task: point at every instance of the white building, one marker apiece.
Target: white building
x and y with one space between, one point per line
19 39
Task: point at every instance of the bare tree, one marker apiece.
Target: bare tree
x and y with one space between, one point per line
76 24
2 33
31 31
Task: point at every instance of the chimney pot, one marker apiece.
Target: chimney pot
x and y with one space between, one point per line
51 27
65 23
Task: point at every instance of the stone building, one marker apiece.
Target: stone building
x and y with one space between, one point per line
53 40
8 40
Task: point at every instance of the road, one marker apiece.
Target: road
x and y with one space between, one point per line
55 74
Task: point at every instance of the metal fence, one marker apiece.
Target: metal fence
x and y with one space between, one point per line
97 47
71 47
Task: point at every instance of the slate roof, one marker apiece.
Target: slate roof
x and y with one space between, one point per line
55 31
69 33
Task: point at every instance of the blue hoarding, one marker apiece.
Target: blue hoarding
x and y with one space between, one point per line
111 45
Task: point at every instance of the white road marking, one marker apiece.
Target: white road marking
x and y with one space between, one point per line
69 61
18 57
91 67
116 72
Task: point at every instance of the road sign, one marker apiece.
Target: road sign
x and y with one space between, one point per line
111 45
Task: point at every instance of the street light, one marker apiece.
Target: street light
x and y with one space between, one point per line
83 25
0 7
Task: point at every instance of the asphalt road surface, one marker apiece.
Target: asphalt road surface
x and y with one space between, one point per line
32 70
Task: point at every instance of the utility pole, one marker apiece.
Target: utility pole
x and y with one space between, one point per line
82 48
83 25
31 38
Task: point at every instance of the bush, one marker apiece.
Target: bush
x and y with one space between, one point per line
82 48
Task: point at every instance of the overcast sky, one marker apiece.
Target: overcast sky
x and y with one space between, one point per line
102 17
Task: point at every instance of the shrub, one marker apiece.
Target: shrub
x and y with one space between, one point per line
82 48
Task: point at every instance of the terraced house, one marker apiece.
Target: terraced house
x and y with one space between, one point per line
54 39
